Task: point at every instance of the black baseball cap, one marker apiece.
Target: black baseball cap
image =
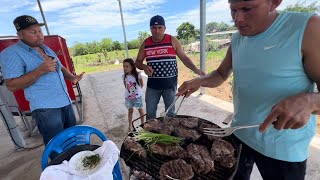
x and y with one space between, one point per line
25 21
157 20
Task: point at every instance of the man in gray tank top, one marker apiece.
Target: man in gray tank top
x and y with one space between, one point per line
275 63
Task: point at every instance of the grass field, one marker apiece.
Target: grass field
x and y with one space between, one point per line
90 63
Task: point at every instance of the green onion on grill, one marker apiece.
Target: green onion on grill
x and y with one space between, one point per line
156 138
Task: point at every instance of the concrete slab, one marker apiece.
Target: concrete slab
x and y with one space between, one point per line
104 108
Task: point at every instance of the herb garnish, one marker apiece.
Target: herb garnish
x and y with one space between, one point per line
90 162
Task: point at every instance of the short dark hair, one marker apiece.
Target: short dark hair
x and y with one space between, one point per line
134 71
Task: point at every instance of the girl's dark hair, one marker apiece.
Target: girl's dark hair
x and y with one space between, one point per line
134 71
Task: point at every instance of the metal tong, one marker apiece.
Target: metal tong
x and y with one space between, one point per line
164 114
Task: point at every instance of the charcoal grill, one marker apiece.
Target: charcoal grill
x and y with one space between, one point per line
152 164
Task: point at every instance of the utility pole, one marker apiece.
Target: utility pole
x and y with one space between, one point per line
124 31
202 38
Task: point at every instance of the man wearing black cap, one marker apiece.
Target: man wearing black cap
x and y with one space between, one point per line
34 67
275 60
160 52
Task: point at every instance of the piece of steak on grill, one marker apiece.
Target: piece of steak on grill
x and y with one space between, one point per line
170 150
166 129
222 149
177 169
200 157
190 122
186 133
154 125
228 161
172 121
208 125
132 145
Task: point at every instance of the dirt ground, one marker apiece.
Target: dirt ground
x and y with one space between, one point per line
224 91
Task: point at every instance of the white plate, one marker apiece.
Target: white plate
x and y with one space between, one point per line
76 166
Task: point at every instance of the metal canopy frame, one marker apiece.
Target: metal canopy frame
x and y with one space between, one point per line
202 39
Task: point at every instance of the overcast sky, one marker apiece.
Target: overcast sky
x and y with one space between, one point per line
92 20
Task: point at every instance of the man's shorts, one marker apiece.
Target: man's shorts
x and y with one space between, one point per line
137 103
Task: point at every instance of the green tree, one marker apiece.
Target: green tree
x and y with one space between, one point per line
300 7
223 27
186 31
117 45
106 44
197 32
143 35
71 51
93 47
134 44
211 27
79 49
218 27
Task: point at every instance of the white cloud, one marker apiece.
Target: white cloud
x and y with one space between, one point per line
100 14
286 3
10 5
57 5
216 10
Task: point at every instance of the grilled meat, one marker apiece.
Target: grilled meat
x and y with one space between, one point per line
186 133
190 122
166 129
223 152
172 121
177 169
174 151
201 160
228 161
140 175
207 125
132 145
154 125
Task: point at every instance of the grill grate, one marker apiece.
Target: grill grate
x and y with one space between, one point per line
152 164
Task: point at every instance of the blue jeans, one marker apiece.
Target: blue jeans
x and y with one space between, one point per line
153 97
269 168
51 121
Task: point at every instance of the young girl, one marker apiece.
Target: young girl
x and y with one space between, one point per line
133 95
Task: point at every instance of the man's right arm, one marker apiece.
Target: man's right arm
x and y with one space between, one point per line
23 81
13 84
214 79
139 61
140 57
